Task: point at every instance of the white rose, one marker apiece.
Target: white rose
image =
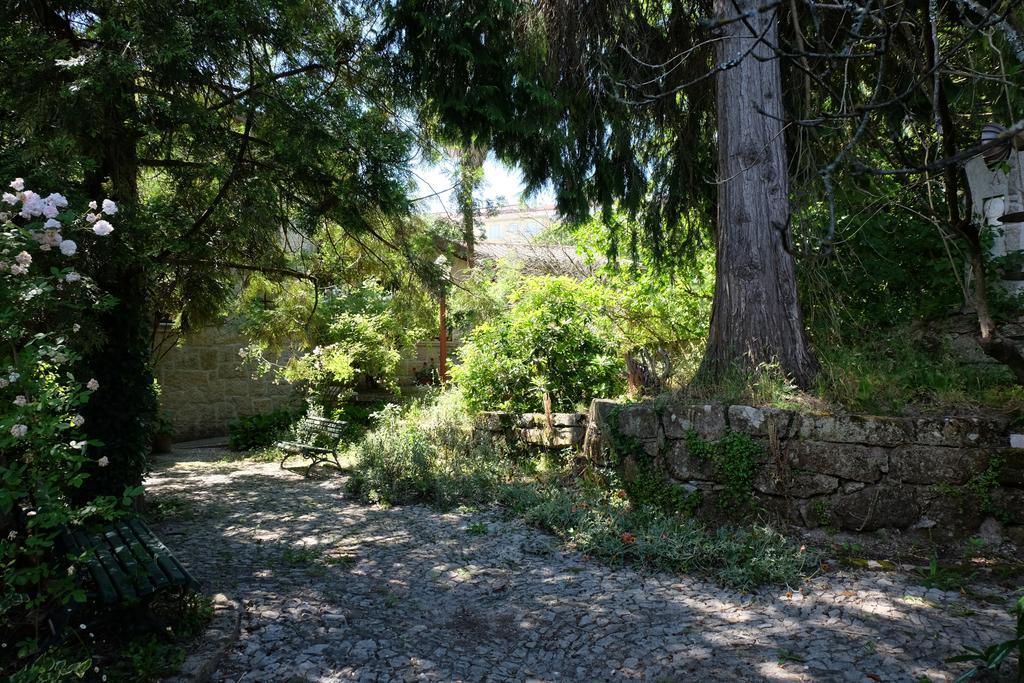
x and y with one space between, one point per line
11 199
18 184
18 431
102 228
103 462
52 224
58 199
23 258
68 247
92 205
72 277
92 385
20 401
109 207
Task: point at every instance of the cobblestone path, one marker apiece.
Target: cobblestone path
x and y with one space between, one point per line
337 591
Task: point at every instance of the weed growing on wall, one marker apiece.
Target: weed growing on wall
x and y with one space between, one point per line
735 457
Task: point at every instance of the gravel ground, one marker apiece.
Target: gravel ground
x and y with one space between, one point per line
336 591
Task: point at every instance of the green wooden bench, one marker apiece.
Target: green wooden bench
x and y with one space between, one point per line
127 562
316 438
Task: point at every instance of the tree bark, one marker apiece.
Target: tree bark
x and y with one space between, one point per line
755 317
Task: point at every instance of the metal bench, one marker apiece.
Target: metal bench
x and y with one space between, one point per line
316 438
127 562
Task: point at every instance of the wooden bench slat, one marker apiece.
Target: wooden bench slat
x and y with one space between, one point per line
167 562
101 551
126 561
79 543
145 558
128 555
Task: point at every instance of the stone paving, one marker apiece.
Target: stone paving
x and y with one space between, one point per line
336 591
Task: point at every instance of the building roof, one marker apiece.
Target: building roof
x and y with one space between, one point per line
537 258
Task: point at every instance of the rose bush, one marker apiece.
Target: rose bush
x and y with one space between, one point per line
44 455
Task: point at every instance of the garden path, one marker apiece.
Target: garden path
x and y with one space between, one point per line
334 591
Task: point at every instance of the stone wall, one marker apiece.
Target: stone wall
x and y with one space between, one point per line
204 388
857 473
566 430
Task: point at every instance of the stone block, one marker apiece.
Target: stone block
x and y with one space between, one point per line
594 446
876 507
845 460
950 513
685 466
962 431
935 464
492 421
708 421
208 359
796 484
1009 503
560 437
637 420
862 429
759 421
1012 471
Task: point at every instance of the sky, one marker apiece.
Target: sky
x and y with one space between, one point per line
499 181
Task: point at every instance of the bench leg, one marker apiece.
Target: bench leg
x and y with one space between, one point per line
287 454
309 470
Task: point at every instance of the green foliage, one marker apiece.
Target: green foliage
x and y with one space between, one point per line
982 485
52 669
647 486
122 648
46 328
943 577
130 102
522 83
260 430
603 525
335 338
735 457
426 453
649 307
990 659
549 341
888 372
763 385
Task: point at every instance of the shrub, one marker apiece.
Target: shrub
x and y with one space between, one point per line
259 431
605 526
550 341
426 453
46 459
339 336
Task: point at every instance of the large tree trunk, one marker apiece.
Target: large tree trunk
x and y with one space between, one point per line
122 413
756 316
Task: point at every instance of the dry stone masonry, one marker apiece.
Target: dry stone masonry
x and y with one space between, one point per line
856 472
